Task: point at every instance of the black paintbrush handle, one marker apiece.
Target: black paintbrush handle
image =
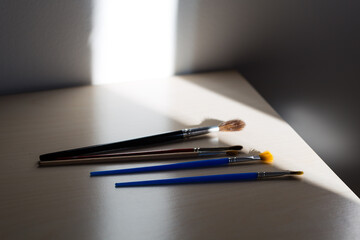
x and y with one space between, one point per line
138 142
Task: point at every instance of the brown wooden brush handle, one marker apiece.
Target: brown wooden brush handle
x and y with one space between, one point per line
164 151
114 159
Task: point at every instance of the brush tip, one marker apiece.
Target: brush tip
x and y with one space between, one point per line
232 152
296 172
266 157
232 125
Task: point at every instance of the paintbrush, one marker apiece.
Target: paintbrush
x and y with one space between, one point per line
198 150
132 158
212 178
228 126
265 157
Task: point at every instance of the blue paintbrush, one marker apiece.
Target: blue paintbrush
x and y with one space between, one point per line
264 157
211 178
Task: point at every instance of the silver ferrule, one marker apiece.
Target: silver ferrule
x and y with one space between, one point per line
262 175
197 150
243 159
191 132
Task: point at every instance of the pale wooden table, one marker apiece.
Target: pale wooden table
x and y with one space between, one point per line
65 203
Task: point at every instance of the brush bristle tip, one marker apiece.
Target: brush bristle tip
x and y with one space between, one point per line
266 157
232 125
232 152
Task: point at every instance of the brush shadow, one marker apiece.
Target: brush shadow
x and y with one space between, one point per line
208 122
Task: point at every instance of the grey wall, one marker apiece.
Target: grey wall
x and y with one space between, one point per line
44 44
302 56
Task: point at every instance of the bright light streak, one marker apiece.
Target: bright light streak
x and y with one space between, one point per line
133 40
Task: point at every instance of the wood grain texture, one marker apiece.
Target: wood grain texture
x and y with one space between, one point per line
65 203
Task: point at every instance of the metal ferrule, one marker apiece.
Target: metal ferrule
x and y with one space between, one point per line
243 159
262 175
197 149
191 132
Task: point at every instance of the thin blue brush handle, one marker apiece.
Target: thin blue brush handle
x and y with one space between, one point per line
198 179
174 166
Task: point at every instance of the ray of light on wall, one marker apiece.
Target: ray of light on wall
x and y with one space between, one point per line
133 40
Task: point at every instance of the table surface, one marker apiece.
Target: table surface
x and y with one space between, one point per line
65 203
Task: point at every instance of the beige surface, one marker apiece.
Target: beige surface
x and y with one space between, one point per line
65 203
